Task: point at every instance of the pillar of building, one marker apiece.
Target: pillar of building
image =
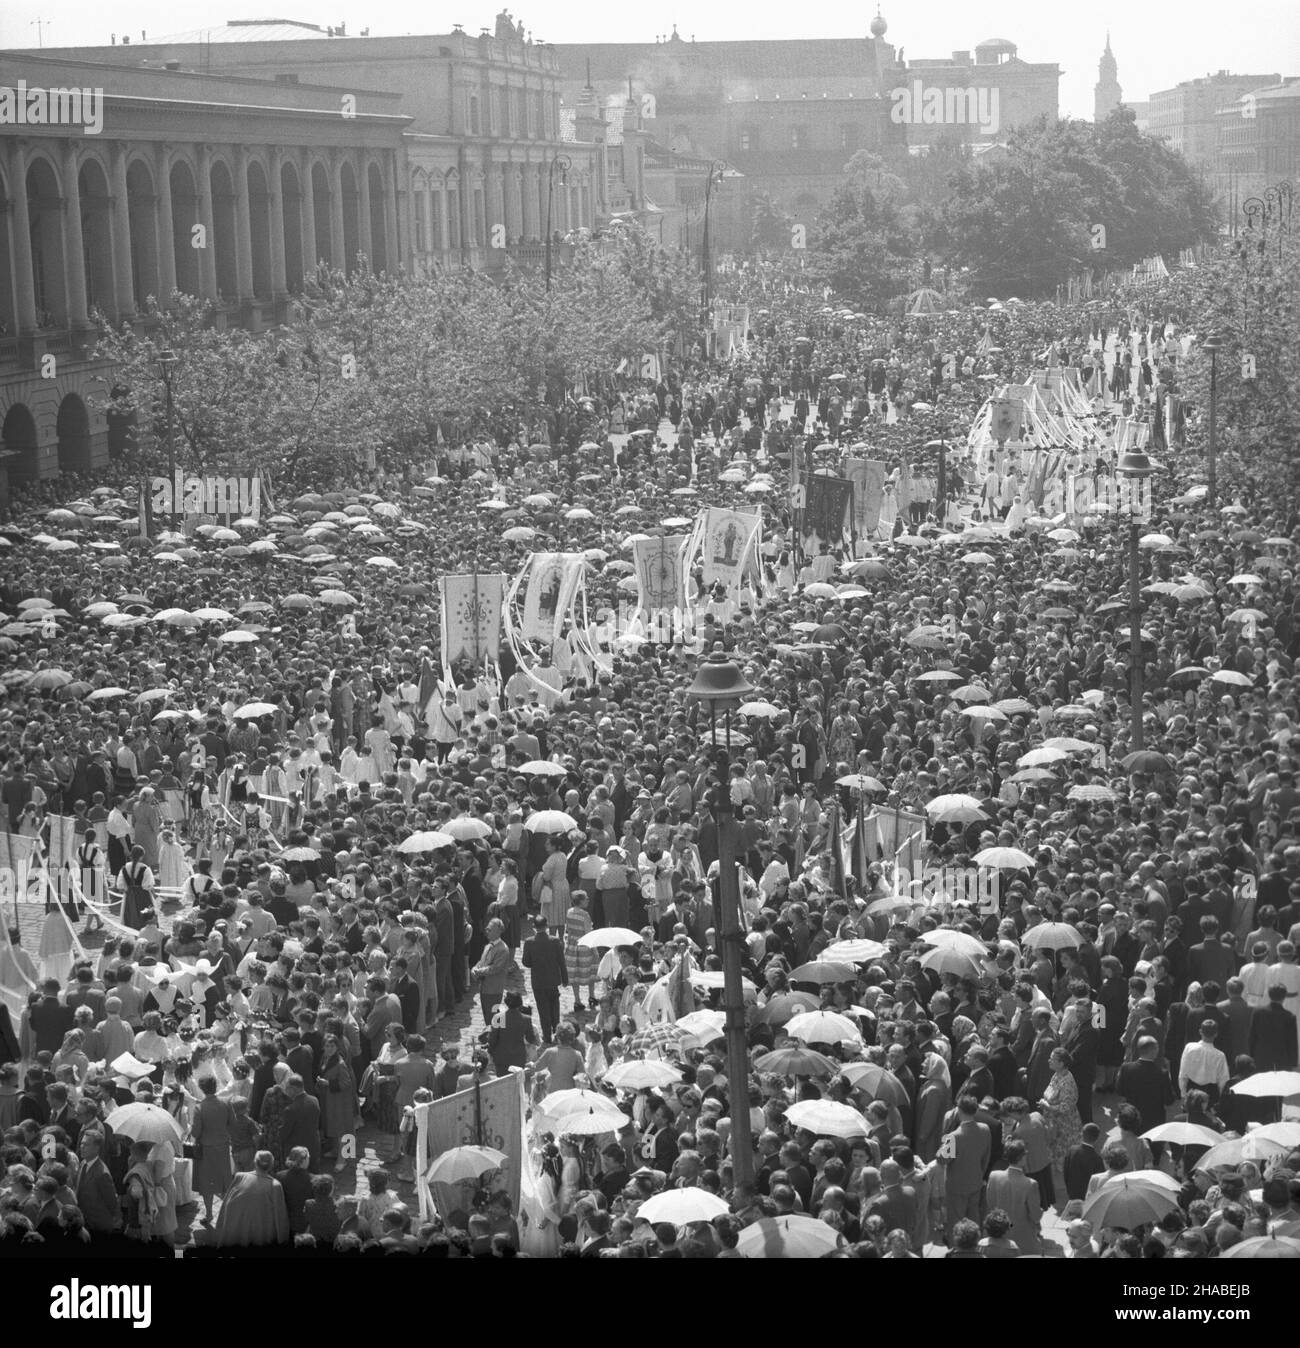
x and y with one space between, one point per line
338 256
393 203
243 229
279 279
307 214
208 253
164 234
73 247
123 282
364 240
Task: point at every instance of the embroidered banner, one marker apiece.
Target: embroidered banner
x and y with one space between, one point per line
868 479
491 1115
827 510
552 583
728 537
660 573
471 617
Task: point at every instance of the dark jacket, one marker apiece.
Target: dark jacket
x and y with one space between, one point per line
544 958
301 1127
1146 1086
98 1199
49 1022
297 1190
1273 1038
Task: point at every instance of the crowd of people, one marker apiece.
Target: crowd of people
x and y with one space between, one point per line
243 966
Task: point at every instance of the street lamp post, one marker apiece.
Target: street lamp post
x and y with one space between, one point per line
1135 468
1213 344
564 164
721 687
716 170
166 364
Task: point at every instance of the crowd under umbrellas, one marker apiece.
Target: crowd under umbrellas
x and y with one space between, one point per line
975 676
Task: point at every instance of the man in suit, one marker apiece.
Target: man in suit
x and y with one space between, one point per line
979 1082
1082 1162
408 993
966 1152
263 1080
548 973
896 1202
1273 1034
1145 1084
1210 961
1002 1065
97 1195
302 1121
61 1112
593 1234
48 1021
295 1180
614 1174
86 994
298 1055
1017 1195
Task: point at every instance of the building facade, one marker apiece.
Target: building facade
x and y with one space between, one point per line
788 116
226 188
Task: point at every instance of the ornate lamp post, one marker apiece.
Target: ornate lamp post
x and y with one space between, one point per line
1214 343
721 687
564 164
167 361
716 170
1135 468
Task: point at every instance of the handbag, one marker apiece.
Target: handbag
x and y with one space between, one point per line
545 895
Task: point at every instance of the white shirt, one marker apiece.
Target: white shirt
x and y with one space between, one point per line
1288 975
1203 1064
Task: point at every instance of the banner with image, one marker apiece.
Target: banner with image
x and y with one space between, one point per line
661 573
471 617
827 508
552 583
868 479
727 540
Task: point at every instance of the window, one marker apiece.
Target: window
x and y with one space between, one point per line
848 136
798 138
473 115
748 139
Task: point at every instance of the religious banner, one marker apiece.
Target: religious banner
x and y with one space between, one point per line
63 841
868 479
551 586
1006 417
826 513
898 829
471 617
488 1115
728 537
660 573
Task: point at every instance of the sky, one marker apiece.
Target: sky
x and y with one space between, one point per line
1156 44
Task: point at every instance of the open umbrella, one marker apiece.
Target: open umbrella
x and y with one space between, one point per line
642 1074
427 840
854 952
827 1117
875 1081
790 1237
143 1122
703 1025
465 1163
664 1036
1266 1084
823 1027
1264 1247
946 938
540 767
250 711
944 960
860 781
797 1062
607 938
824 971
467 828
550 821
955 809
785 1005
1005 859
1146 761
1051 936
680 1207
1183 1135
1092 792
1127 1202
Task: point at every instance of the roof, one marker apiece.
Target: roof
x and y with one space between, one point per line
1005 44
669 63
246 30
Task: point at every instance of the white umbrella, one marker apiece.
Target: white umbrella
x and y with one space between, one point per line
823 1027
252 710
603 938
680 1207
465 1163
550 821
1051 936
1005 859
827 1117
143 1122
1267 1084
642 1074
427 840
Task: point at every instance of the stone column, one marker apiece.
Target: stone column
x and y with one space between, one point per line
364 240
392 211
73 246
24 280
338 257
243 229
279 280
164 227
514 201
425 207
122 271
307 215
208 254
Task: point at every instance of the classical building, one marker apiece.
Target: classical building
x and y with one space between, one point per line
787 116
217 185
1186 116
1106 93
1258 146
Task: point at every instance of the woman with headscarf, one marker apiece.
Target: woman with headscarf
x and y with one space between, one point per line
612 883
271 1119
554 891
933 1101
150 1192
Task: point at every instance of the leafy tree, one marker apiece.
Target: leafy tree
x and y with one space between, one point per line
771 225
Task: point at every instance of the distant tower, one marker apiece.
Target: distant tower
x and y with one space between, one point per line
1106 94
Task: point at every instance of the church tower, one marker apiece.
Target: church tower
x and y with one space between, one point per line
1107 94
